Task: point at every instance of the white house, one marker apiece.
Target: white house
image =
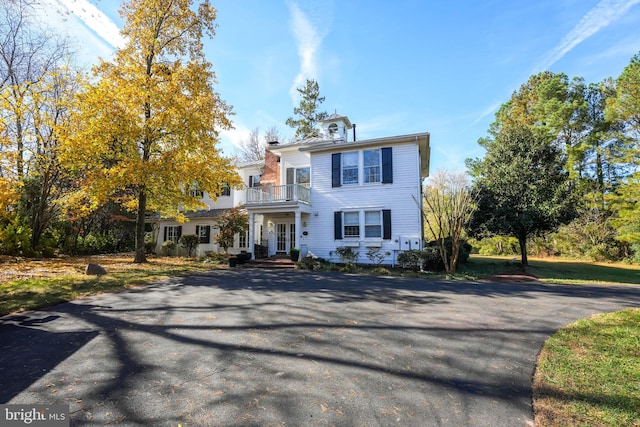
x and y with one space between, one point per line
335 191
321 193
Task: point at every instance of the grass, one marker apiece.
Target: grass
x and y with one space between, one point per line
553 270
32 284
588 373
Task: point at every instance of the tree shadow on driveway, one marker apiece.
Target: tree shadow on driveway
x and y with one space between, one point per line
244 347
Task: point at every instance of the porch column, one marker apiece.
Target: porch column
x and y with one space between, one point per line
252 229
298 228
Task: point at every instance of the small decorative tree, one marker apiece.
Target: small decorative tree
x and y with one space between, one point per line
231 222
347 255
189 242
376 256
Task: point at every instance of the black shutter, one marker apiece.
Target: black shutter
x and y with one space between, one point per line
179 231
337 225
386 224
335 169
251 181
165 234
387 166
207 234
198 233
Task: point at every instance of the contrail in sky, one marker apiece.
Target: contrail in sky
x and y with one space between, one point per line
603 14
95 20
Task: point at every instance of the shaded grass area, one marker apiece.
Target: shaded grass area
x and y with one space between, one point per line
553 270
55 281
589 373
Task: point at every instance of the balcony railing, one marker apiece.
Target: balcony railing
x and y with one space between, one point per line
291 193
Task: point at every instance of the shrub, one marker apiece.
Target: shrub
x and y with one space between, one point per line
189 242
346 254
168 247
314 264
410 259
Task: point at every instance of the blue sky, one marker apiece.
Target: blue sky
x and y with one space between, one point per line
393 68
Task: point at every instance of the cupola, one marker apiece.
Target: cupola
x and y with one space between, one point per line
335 127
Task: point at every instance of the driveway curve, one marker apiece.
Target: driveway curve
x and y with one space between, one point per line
269 348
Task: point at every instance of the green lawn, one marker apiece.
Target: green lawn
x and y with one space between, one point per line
553 270
588 373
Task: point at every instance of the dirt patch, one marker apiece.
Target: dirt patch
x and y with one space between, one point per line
512 278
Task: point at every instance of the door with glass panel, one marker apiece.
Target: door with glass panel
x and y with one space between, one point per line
285 237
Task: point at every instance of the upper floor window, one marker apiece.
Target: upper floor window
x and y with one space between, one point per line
226 190
303 175
194 191
374 165
350 168
254 180
371 166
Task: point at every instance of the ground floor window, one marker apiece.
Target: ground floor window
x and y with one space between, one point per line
172 233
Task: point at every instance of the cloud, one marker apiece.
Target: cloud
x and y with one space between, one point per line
308 38
95 20
603 14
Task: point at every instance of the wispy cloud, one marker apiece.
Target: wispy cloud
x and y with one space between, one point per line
603 14
95 20
308 38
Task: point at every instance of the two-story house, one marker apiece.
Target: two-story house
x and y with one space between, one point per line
321 193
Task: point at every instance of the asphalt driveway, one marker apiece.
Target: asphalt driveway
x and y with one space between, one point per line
258 348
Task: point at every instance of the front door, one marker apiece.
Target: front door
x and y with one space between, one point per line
285 237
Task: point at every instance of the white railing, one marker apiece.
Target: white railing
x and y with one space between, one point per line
278 194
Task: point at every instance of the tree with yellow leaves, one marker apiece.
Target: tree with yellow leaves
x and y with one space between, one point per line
146 130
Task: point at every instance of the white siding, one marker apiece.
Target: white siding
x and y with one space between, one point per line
401 197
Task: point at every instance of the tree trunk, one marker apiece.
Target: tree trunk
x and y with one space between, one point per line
523 249
140 256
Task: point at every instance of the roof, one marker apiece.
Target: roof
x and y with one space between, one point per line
255 163
421 139
337 117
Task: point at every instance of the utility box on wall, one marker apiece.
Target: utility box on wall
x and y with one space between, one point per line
409 242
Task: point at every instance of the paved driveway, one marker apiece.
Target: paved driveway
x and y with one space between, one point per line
259 348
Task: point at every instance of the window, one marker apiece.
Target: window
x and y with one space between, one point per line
194 191
375 166
204 233
254 180
242 239
372 224
303 176
172 233
377 224
350 168
351 224
226 190
371 170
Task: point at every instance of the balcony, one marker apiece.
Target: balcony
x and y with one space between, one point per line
278 194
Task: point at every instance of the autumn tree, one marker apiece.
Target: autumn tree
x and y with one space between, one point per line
306 125
448 207
231 222
146 130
